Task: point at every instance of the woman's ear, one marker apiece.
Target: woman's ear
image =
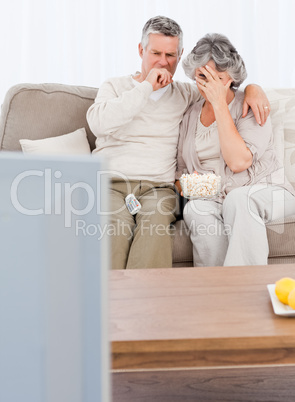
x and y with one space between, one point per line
229 82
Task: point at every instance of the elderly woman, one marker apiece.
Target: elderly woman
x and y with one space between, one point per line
215 138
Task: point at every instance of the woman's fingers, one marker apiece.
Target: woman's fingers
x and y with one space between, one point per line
201 82
211 72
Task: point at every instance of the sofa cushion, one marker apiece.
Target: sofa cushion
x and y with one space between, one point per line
280 235
182 245
72 143
37 111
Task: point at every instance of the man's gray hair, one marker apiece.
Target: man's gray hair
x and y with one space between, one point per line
218 48
164 26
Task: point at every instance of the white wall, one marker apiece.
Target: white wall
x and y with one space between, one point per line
85 41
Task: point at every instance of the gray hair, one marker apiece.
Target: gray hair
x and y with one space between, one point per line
218 48
164 26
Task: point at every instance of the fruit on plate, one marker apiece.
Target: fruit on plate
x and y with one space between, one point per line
283 288
291 299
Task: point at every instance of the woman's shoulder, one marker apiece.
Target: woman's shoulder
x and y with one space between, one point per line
190 118
195 108
239 98
236 109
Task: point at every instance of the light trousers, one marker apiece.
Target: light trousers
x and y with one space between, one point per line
234 233
143 240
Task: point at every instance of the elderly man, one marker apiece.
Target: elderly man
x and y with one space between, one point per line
136 121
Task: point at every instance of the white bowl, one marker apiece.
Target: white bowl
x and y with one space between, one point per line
199 186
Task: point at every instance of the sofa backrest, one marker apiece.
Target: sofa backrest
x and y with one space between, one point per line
37 111
283 121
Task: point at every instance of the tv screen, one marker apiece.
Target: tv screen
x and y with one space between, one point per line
53 279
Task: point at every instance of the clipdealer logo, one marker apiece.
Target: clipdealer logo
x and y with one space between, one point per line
58 196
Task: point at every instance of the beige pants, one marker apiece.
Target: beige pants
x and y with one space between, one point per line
143 240
234 233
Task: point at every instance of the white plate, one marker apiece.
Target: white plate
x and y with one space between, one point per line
279 307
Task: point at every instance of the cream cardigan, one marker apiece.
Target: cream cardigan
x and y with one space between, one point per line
265 167
138 135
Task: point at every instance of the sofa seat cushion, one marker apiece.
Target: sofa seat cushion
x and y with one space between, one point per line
280 235
182 246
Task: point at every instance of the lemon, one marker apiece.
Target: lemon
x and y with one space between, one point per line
291 299
283 288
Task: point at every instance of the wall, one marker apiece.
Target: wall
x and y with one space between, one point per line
85 41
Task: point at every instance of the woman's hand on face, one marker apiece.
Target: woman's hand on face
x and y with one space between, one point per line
214 87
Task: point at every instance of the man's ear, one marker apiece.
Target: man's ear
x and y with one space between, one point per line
179 57
140 50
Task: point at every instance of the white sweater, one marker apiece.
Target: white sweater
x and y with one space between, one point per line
137 135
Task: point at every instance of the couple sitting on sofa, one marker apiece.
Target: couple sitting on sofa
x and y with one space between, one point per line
136 120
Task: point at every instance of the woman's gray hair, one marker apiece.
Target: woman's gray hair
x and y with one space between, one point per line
164 26
218 48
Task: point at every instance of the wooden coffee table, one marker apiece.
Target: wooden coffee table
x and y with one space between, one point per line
176 329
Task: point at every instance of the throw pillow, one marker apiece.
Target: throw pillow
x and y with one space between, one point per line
72 143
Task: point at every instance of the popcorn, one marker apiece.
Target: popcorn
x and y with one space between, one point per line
200 185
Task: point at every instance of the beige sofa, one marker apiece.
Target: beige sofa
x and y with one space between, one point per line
34 111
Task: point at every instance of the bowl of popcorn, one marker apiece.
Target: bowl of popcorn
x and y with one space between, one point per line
200 186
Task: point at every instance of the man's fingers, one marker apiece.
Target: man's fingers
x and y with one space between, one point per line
265 116
159 78
164 77
257 114
265 113
260 113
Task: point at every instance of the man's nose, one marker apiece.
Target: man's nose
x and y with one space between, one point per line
163 61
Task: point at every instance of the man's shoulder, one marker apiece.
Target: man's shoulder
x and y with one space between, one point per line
187 91
123 80
116 85
185 87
